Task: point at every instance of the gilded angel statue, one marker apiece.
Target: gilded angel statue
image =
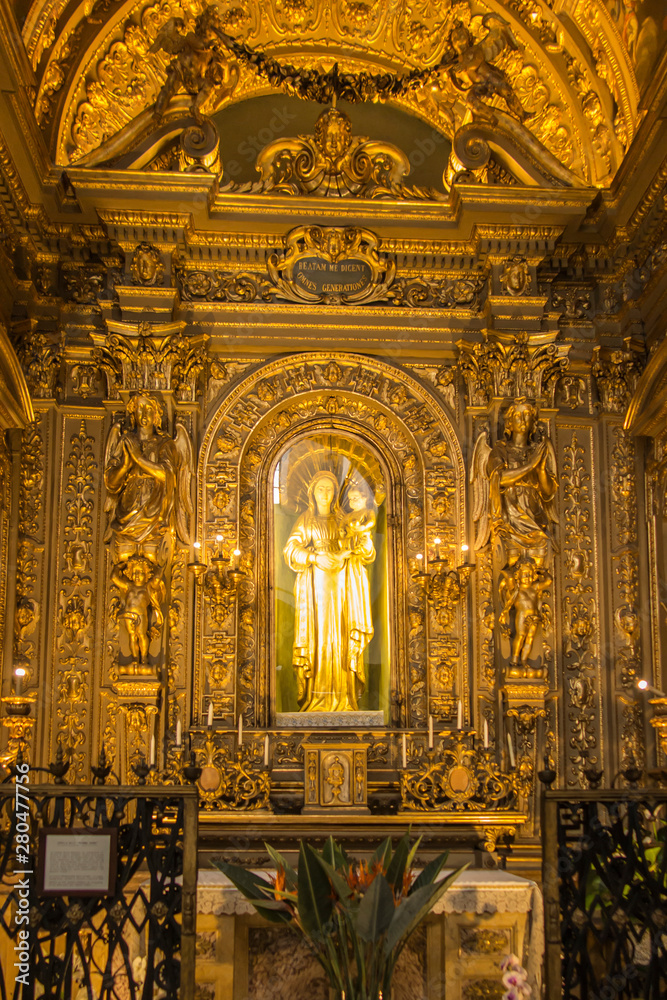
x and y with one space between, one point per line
147 475
473 72
198 66
514 486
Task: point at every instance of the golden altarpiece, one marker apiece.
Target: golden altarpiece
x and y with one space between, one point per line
333 397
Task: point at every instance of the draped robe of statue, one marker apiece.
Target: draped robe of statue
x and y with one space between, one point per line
332 618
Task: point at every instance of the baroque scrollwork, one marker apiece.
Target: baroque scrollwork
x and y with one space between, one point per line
346 258
333 162
508 365
75 598
616 374
579 610
150 357
458 779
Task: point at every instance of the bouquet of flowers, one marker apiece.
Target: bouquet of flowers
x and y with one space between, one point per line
355 916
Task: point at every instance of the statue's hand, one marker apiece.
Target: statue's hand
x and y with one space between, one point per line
329 560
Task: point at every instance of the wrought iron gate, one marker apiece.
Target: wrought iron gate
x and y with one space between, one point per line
133 943
605 894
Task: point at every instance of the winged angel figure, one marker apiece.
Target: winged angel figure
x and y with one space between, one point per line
147 475
472 71
514 485
198 65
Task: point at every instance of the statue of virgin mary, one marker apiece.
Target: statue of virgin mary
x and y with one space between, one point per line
328 551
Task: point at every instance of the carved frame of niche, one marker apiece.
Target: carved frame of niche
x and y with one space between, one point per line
401 421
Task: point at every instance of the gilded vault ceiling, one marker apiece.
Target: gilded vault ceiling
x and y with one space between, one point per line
574 69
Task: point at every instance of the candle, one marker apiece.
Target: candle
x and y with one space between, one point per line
240 731
196 547
510 747
210 715
266 750
19 674
179 737
236 556
437 544
459 715
430 732
486 734
152 761
218 539
404 750
464 552
420 559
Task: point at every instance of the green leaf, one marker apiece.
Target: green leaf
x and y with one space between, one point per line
413 851
334 855
382 855
396 868
414 908
254 888
376 910
279 862
429 874
339 883
314 903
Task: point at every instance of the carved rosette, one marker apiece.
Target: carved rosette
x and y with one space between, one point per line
253 424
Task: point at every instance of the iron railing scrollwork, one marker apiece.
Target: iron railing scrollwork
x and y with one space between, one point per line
137 942
605 894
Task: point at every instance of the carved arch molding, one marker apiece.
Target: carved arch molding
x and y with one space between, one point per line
403 422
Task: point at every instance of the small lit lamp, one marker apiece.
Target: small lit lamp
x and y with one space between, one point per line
659 703
235 573
197 567
19 674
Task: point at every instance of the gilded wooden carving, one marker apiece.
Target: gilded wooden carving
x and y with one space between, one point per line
147 476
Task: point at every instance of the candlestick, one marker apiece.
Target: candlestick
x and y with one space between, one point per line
459 715
486 734
430 732
19 674
266 750
210 715
404 750
179 732
152 760
511 749
240 731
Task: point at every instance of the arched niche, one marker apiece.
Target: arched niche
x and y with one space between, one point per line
406 431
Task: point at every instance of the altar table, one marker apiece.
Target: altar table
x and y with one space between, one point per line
456 955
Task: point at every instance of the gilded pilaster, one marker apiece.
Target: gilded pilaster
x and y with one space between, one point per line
582 687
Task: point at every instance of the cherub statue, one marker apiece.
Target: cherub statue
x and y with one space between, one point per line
198 66
143 591
472 71
521 588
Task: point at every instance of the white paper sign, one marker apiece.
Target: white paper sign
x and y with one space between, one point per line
77 864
